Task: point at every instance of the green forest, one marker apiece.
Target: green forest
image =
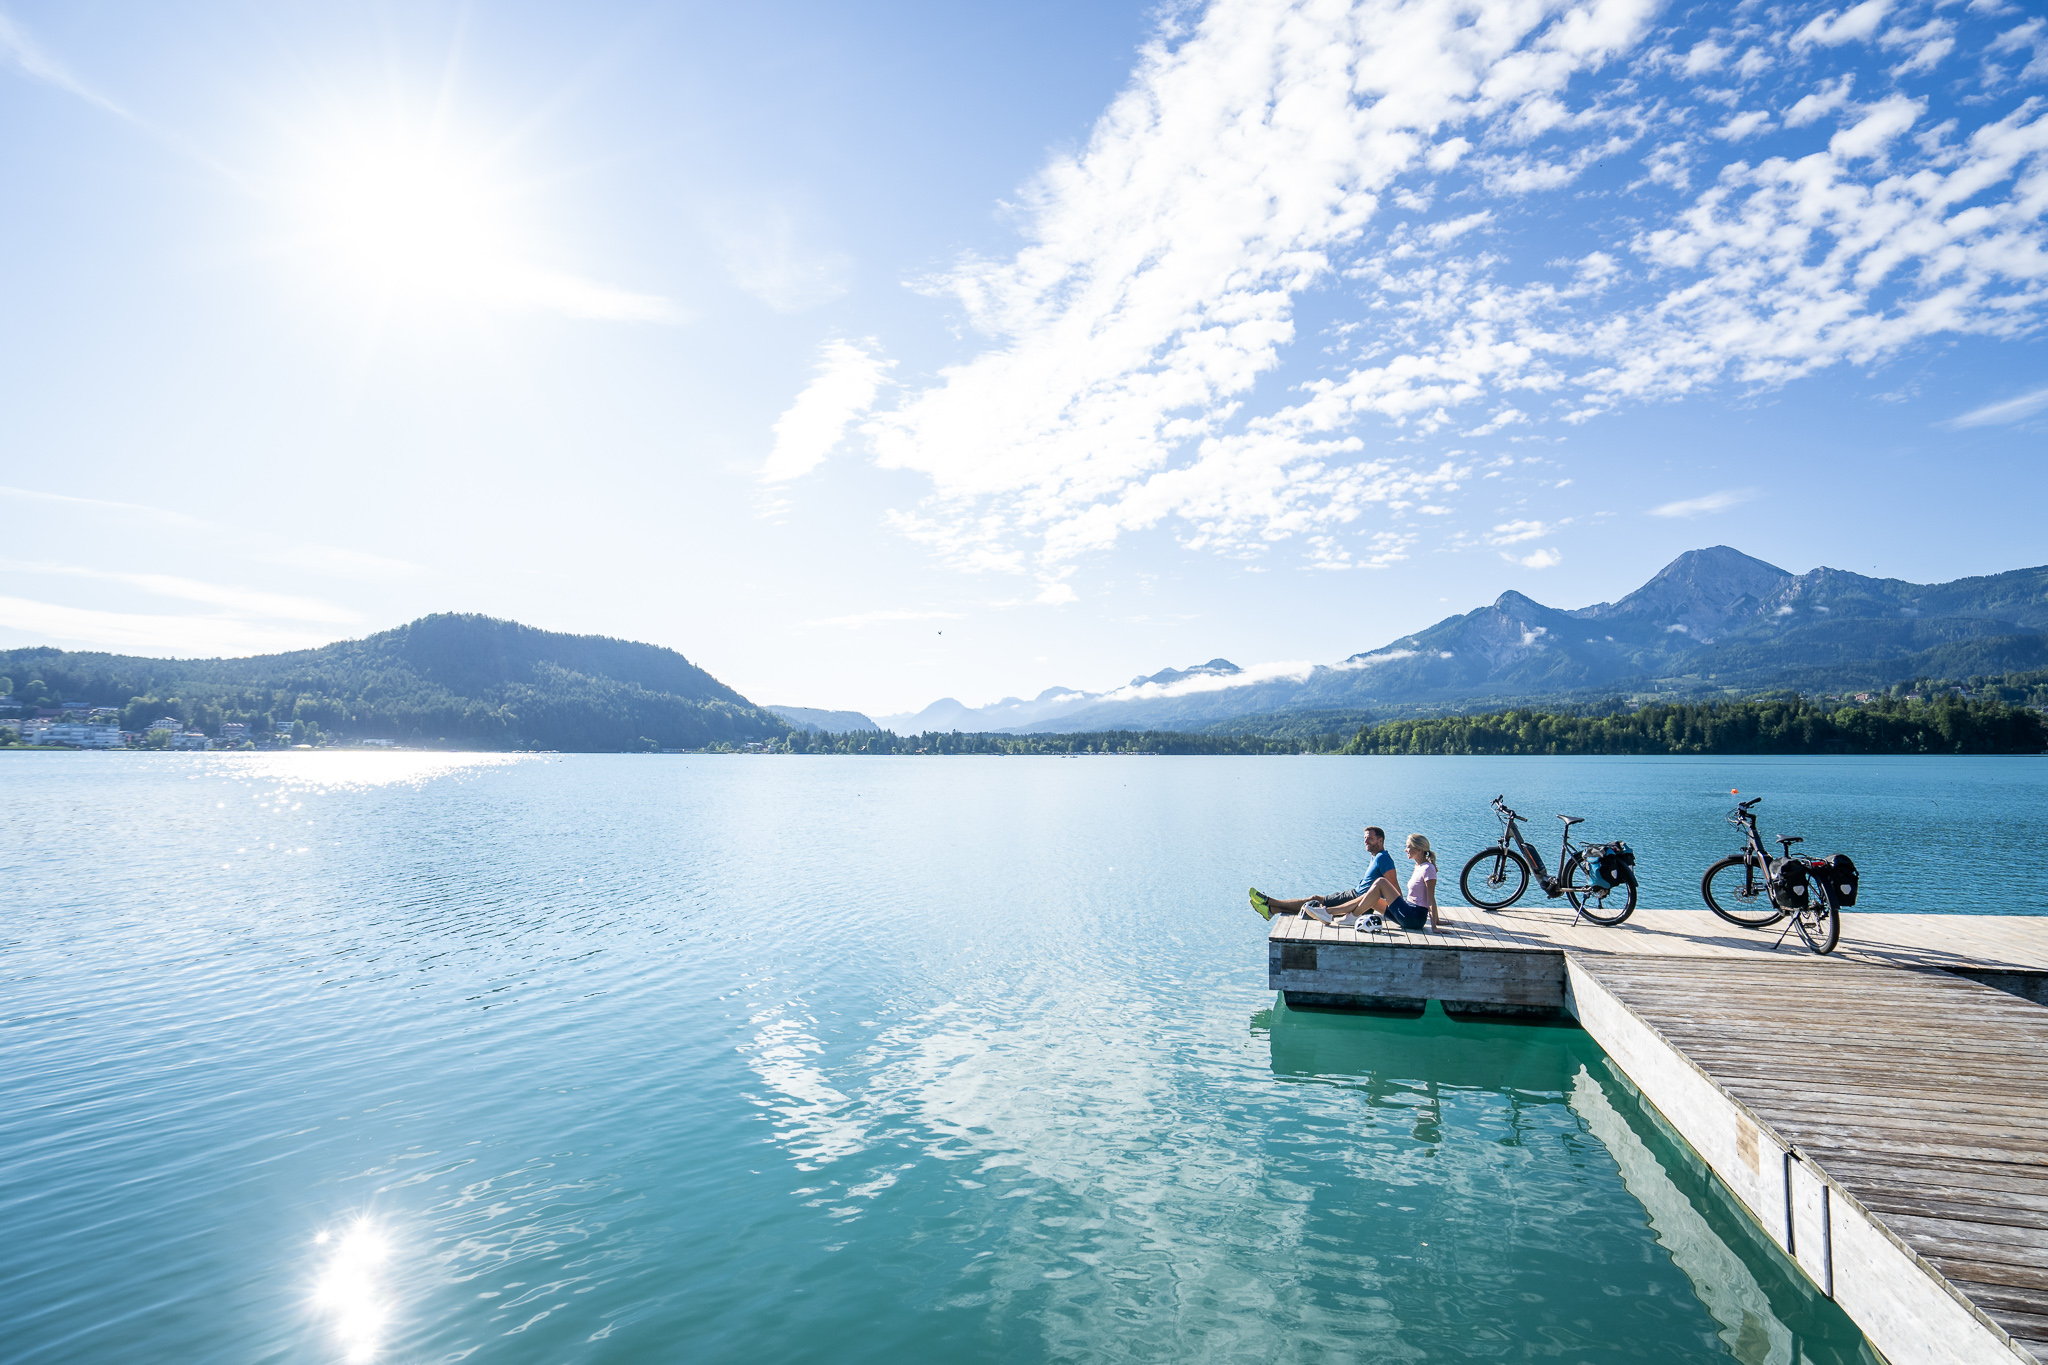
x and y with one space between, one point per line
1097 742
444 681
1946 724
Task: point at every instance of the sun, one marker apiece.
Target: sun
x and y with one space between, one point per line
403 219
411 217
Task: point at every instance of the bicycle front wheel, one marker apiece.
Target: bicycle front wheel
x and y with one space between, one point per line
1820 924
1738 890
1494 879
1607 906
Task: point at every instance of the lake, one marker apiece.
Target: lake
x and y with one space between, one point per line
430 1057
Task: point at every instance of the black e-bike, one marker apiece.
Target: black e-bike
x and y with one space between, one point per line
1754 890
1588 876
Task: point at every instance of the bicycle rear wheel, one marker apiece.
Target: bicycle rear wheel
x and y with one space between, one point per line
1607 906
1820 924
1738 890
1494 879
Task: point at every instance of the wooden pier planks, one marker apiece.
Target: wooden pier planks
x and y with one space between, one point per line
1924 1096
1962 942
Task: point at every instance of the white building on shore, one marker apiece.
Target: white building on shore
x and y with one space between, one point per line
82 735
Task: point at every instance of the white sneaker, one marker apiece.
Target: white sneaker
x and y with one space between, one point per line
1348 922
1318 912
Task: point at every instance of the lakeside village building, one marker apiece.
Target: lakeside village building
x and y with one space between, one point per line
100 728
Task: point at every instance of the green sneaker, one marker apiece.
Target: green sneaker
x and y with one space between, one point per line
1259 903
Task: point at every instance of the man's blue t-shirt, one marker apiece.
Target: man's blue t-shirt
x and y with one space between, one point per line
1382 863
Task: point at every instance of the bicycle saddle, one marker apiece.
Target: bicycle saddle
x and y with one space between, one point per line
1570 820
1789 839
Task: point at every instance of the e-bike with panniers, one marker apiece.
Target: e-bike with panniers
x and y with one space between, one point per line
1588 875
1754 890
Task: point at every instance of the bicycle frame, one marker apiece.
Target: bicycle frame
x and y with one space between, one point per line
1755 856
1513 839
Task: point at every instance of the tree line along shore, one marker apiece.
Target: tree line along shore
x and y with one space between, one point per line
1886 724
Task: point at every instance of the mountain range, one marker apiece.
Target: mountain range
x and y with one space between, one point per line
1712 622
811 720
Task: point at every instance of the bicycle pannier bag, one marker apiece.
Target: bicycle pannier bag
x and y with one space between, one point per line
1596 866
1841 875
1617 863
1790 878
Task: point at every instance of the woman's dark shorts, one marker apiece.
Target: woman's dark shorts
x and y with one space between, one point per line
1406 914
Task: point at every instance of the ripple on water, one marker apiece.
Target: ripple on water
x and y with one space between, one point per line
628 1058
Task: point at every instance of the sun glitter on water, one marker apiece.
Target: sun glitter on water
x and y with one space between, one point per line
351 1291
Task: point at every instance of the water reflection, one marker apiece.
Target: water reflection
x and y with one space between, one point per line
353 769
1506 1081
351 1290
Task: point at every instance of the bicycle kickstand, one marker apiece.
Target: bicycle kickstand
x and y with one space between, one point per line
1782 932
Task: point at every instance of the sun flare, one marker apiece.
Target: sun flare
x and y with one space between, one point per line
408 216
403 219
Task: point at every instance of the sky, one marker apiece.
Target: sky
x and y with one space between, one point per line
873 355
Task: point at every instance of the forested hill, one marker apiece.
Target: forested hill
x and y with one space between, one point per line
470 681
1777 725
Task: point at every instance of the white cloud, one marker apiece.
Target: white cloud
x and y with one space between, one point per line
2031 36
1706 55
1540 559
848 376
1443 233
1930 42
503 282
1826 97
1129 337
242 601
1882 122
2006 410
1384 656
22 52
1709 502
1293 671
1506 417
1162 263
1852 25
174 636
1740 126
765 257
1446 154
1512 532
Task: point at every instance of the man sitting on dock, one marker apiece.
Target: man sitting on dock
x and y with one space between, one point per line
1326 908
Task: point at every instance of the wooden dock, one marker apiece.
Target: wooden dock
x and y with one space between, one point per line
1881 1112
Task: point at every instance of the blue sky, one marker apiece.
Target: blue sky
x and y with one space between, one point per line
873 356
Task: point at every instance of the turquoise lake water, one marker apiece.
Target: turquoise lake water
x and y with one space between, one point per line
422 1058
